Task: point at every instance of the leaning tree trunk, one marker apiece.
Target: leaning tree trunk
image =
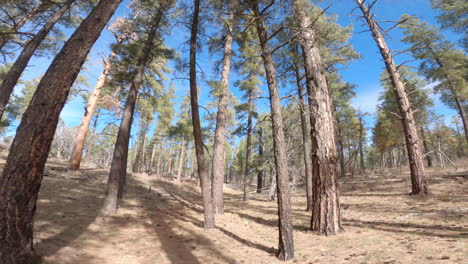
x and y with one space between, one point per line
221 116
415 157
22 174
13 75
117 176
305 126
197 133
326 218
248 148
285 226
77 152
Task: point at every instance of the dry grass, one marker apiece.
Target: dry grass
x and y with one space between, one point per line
163 224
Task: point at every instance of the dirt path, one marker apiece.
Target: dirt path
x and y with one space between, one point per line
161 222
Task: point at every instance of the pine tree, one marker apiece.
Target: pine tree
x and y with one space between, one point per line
22 173
415 157
117 176
441 62
286 243
326 218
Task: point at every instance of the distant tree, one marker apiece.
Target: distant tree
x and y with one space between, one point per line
121 34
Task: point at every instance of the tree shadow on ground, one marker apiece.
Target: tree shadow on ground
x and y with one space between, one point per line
166 219
417 229
66 207
168 187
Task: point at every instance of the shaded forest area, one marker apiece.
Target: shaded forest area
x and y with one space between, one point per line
219 177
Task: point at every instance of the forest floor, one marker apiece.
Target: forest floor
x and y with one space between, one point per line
161 222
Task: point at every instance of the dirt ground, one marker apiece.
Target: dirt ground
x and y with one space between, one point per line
161 222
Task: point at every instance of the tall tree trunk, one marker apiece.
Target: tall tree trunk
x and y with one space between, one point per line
140 148
93 135
341 148
248 148
13 75
221 116
22 174
261 172
361 144
285 226
197 133
326 218
117 177
305 126
169 159
158 165
80 139
418 176
181 160
426 147
153 152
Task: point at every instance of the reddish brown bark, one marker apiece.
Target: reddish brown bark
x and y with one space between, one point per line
22 174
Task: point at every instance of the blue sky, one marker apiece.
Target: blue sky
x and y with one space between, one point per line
364 73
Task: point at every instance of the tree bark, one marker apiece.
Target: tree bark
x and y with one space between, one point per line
426 147
326 218
197 133
416 163
153 152
221 116
13 75
22 174
140 149
181 160
248 149
305 126
117 177
361 144
93 135
285 226
261 172
77 152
